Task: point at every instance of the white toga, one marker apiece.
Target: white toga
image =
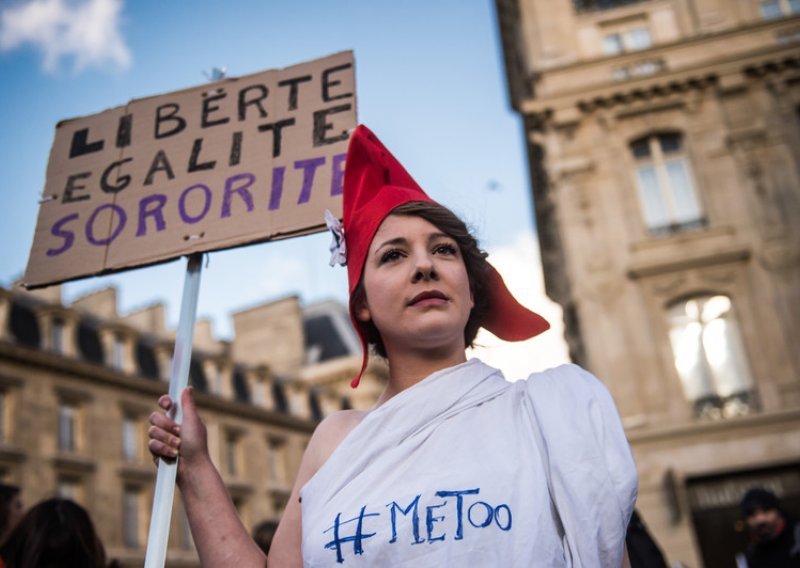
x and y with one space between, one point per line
451 472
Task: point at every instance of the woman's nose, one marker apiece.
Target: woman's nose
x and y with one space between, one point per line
424 269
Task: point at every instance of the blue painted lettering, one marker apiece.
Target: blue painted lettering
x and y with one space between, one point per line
430 520
489 514
357 538
497 511
394 507
459 495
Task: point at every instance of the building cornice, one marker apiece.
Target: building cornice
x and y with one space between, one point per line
721 71
79 370
700 431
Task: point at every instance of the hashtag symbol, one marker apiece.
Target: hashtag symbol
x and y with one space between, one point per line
357 539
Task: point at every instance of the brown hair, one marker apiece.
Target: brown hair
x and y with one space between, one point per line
7 495
56 532
474 261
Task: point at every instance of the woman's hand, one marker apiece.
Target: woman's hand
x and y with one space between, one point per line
167 439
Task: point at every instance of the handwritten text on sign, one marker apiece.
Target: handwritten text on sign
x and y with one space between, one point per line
238 161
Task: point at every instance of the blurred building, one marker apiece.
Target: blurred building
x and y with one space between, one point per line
78 382
664 145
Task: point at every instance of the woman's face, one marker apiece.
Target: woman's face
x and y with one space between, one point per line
416 287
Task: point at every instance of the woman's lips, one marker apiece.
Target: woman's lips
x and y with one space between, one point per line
429 298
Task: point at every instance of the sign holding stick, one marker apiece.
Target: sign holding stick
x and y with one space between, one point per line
164 493
238 161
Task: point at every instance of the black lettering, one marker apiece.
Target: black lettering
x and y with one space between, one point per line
72 186
236 149
276 128
321 126
327 83
208 109
81 145
172 116
244 103
293 83
193 165
160 163
121 182
124 130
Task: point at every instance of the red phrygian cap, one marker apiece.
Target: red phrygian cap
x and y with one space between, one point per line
375 183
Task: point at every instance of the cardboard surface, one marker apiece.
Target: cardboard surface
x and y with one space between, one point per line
237 161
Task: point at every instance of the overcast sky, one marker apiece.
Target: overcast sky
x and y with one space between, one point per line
430 83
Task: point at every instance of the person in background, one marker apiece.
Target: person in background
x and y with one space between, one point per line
263 533
10 509
774 536
643 550
56 533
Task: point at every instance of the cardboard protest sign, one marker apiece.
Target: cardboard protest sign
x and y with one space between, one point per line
238 161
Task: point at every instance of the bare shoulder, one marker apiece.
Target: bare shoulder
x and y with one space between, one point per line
286 546
330 433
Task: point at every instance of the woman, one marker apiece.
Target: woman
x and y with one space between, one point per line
54 533
454 465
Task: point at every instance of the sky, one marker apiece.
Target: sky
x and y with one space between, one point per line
430 83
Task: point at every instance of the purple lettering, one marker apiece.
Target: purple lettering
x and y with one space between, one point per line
277 188
113 233
190 219
309 168
158 201
246 196
57 231
337 175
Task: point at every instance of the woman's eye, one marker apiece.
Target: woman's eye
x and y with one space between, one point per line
447 248
390 255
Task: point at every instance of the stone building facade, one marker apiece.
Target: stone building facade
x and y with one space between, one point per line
78 382
663 139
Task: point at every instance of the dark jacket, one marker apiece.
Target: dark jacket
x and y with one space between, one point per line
781 552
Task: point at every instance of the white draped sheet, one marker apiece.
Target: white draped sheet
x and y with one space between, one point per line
452 472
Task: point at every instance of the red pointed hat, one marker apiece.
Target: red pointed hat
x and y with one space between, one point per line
375 183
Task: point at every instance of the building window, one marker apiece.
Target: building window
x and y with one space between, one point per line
131 439
57 335
629 39
232 449
276 458
118 352
774 9
68 426
589 5
132 516
218 379
709 356
664 179
70 487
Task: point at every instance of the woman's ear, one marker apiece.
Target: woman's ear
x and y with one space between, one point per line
362 311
